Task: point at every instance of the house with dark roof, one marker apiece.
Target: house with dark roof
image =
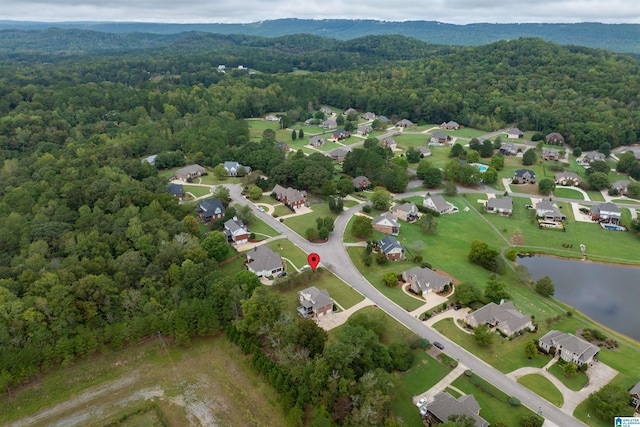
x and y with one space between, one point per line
290 196
439 138
634 393
338 154
264 262
605 212
361 182
383 119
404 123
524 176
547 210
314 303
364 130
339 135
554 138
210 209
593 156
437 203
393 250
450 125
424 151
514 133
568 178
386 223
329 124
503 317
621 186
389 142
236 231
188 173
569 347
508 149
406 211
316 141
550 154
444 405
283 146
176 190
235 169
424 280
502 206
350 111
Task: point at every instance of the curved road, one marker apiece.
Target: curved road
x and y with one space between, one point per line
334 256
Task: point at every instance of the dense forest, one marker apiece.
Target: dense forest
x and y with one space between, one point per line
95 252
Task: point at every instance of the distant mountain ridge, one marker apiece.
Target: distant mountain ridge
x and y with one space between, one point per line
623 38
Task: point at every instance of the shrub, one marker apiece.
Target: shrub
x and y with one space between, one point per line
468 373
514 401
511 254
366 209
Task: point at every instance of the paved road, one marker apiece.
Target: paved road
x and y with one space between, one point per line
333 256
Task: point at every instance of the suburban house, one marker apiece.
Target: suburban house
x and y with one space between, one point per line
209 209
272 118
605 212
635 396
545 209
283 145
316 141
389 142
406 211
262 261
329 124
450 125
568 178
524 176
502 206
235 169
176 190
424 280
187 173
392 248
350 111
514 133
326 110
338 154
383 119
621 186
314 303
569 347
437 203
151 159
593 156
504 317
339 135
424 151
236 231
369 115
364 130
439 137
508 149
550 154
361 182
554 138
291 197
445 405
386 223
404 123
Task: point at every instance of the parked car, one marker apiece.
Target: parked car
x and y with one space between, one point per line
421 402
282 274
457 307
260 208
439 345
423 411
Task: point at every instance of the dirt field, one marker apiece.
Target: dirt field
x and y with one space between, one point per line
209 384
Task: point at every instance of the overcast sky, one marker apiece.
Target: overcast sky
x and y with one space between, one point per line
236 11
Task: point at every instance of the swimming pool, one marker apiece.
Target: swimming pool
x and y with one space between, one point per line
613 227
480 166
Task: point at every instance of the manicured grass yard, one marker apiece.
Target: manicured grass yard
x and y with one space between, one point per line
465 132
267 200
301 223
574 382
290 251
567 193
592 419
261 228
196 190
543 387
281 210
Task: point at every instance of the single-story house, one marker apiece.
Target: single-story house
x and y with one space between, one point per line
605 212
524 176
329 124
316 141
151 159
209 209
177 190
545 209
272 118
406 211
514 133
502 206
635 395
593 156
364 130
568 178
235 169
386 223
314 303
569 347
369 115
383 119
404 123
554 138
350 111
392 248
264 262
338 154
424 151
326 110
236 231
424 280
439 137
438 204
361 182
389 142
187 173
290 196
445 405
283 145
503 317
508 149
621 186
339 135
550 154
450 125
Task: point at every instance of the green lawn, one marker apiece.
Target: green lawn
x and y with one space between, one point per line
465 132
301 223
348 238
234 266
543 387
585 413
281 210
574 382
267 200
261 228
493 403
627 201
290 251
196 190
568 193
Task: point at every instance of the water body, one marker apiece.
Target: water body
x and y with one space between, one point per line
608 294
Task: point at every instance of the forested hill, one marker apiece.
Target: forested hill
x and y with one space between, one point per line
614 37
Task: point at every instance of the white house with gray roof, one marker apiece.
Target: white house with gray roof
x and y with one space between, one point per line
235 169
545 209
502 206
314 302
262 261
445 405
437 203
569 347
503 317
606 212
236 231
406 211
424 280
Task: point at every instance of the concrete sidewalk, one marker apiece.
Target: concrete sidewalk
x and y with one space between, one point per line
334 320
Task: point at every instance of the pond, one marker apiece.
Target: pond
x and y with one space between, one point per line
608 294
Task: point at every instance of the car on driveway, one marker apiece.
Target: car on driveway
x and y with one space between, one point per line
439 345
423 410
260 208
421 402
282 274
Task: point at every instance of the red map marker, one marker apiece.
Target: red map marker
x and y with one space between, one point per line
314 260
